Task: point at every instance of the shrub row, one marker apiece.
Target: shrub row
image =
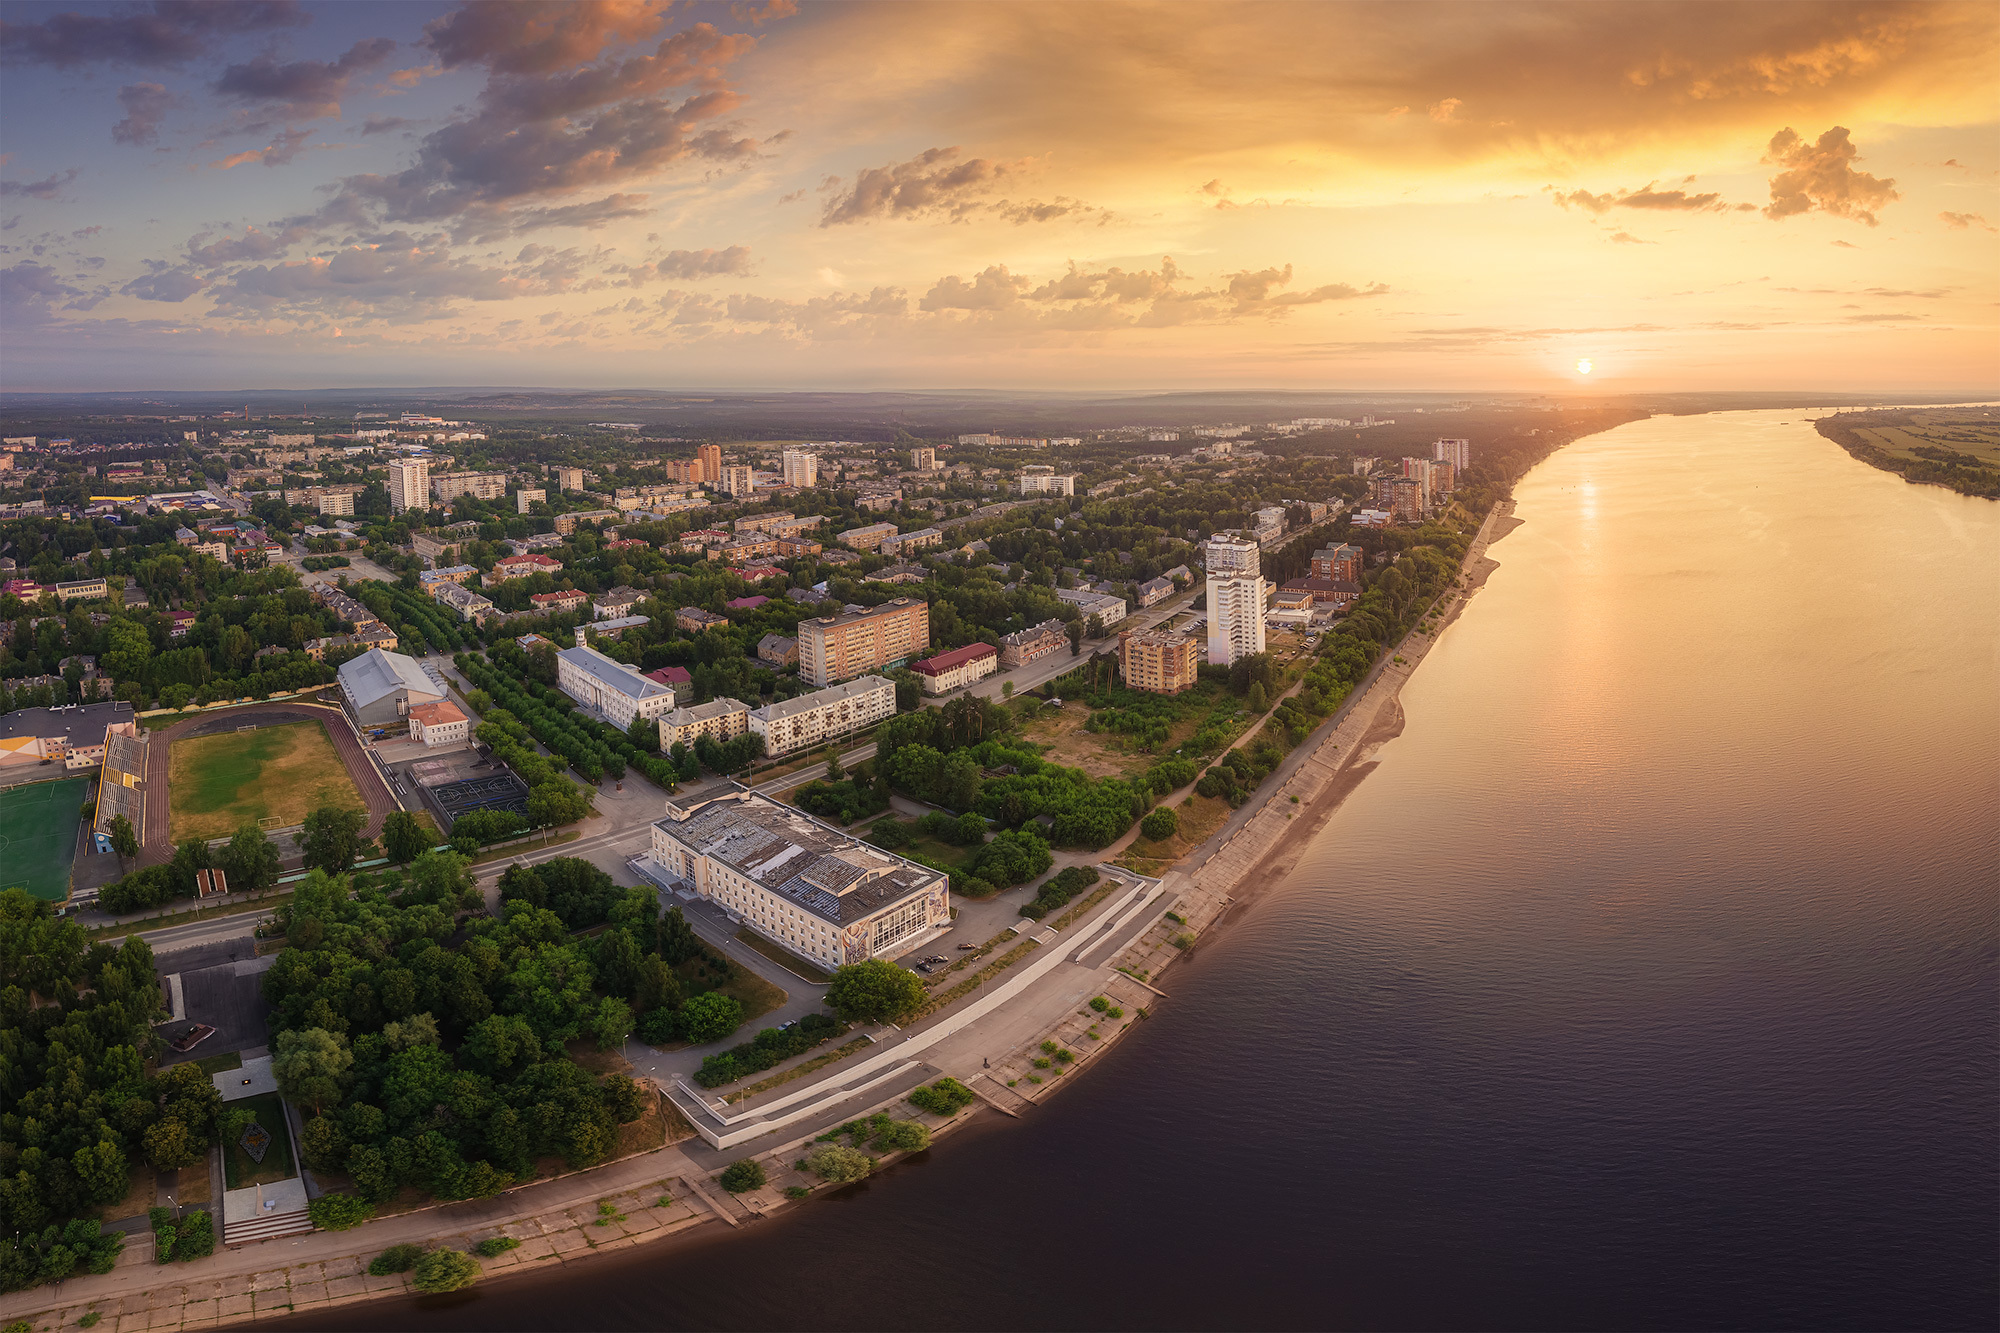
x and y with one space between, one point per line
767 1048
1062 886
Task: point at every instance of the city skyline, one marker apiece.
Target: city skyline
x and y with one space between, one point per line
1281 197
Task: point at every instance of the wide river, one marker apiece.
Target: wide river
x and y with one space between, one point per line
1649 981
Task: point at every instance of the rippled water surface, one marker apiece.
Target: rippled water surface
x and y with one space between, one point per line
1650 981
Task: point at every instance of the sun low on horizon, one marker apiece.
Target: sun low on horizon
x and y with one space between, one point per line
759 194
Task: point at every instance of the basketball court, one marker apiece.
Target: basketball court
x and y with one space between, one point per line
38 825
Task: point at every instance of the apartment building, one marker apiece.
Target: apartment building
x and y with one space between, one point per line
805 885
409 484
1458 453
436 550
1236 599
1032 644
695 620
923 460
738 480
718 719
337 504
527 497
1109 610
607 688
768 523
833 648
459 574
1343 563
1154 591
790 548
469 604
801 469
448 486
1158 662
556 603
790 725
710 458
958 668
568 478
521 566
616 604
566 523
1046 481
869 538
920 540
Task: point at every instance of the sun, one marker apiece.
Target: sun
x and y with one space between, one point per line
1583 366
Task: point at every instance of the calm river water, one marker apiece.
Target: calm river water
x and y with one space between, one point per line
1650 981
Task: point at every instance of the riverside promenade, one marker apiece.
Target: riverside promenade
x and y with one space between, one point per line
1117 949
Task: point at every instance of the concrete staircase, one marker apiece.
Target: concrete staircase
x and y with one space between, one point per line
267 1227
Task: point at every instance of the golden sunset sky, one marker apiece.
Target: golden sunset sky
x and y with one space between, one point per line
1062 196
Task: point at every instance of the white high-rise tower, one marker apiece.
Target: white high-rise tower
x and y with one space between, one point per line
1458 453
1236 597
409 484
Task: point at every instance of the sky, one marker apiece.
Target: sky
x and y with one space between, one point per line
1065 196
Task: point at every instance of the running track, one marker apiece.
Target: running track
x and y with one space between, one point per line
156 846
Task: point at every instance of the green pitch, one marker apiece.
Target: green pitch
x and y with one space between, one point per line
38 835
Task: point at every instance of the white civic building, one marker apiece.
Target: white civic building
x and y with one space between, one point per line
607 687
803 884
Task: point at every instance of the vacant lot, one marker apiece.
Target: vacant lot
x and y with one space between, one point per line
272 775
38 835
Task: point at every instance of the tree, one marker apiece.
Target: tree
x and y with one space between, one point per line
832 1162
322 1145
1160 825
311 1066
251 860
1007 688
339 1212
403 837
875 991
123 840
444 1270
710 1016
747 1174
834 772
903 1136
1075 631
1258 702
677 938
612 1023
170 1145
331 838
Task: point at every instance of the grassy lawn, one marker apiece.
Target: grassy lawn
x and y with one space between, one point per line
784 957
239 1168
139 1195
220 1064
757 996
1200 817
38 823
220 783
800 1070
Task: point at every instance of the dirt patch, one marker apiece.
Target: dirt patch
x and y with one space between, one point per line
583 1052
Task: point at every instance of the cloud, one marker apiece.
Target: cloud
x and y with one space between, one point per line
47 188
757 15
397 278
29 291
302 89
993 289
1034 210
1821 176
251 245
1845 245
931 184
146 105
539 36
691 265
1442 112
1627 238
1254 291
383 124
1960 221
287 145
165 33
171 285
1646 197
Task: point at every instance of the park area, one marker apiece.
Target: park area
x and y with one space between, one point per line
242 1167
38 835
271 776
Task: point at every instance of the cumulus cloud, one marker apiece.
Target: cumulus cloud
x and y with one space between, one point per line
397 277
1257 291
1960 221
164 33
539 36
171 285
691 266
1646 197
251 245
993 289
302 89
47 188
146 105
1821 176
931 184
1443 111
383 124
757 15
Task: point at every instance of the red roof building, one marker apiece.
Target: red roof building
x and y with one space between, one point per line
519 566
671 676
960 666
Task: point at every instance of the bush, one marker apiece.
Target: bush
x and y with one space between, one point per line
495 1246
195 1237
1062 887
903 1136
339 1212
1100 1004
658 1027
747 1174
1160 825
710 1016
770 1046
943 1097
395 1259
875 991
892 834
445 1270
831 1162
797 1192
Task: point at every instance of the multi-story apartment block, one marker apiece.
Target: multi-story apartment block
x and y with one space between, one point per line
833 648
921 539
566 523
771 522
718 719
1270 524
923 460
1362 464
528 497
520 566
338 503
555 603
793 547
1341 562
448 486
568 478
1458 453
433 549
737 480
710 458
754 546
695 620
607 687
1031 644
615 604
801 469
409 484
459 574
878 499
1236 600
805 885
1407 501
1109 610
1154 591
1157 661
869 538
469 604
789 725
959 667
1046 481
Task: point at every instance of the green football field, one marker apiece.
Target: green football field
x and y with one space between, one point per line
38 835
